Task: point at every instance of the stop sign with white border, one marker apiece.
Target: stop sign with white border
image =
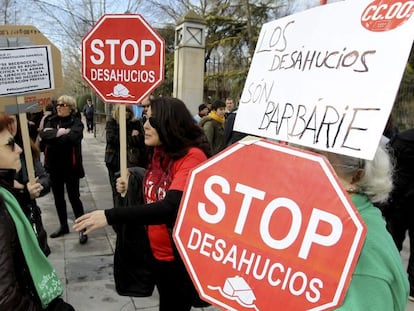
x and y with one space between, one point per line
123 58
256 235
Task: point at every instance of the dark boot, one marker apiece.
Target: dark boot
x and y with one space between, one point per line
83 238
60 232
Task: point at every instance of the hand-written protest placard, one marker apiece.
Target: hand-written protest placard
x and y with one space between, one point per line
327 77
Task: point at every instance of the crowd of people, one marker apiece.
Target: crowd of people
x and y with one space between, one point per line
166 142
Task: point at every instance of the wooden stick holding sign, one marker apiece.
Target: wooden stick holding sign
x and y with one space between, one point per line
21 108
122 144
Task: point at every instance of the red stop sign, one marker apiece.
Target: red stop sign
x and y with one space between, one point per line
123 58
267 227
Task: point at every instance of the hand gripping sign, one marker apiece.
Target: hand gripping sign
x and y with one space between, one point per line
255 235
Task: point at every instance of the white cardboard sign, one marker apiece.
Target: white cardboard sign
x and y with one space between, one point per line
26 69
327 77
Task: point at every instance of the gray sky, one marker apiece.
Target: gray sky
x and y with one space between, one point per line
64 8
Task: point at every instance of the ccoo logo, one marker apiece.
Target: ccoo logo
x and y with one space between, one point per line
384 15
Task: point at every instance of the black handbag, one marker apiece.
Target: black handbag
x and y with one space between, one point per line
37 224
58 304
133 255
131 262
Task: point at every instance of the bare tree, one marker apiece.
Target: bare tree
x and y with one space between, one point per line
232 26
9 12
4 9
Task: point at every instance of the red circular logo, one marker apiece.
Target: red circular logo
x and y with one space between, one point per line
384 15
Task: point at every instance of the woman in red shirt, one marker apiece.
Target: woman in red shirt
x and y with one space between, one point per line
177 145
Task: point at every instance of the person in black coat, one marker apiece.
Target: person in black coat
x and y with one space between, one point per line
136 149
26 192
399 212
62 136
231 136
177 144
88 112
20 254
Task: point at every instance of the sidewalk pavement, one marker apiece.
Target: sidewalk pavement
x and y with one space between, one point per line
86 271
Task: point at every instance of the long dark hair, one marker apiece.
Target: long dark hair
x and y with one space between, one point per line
176 127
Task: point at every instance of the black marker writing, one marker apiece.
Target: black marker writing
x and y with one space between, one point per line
276 42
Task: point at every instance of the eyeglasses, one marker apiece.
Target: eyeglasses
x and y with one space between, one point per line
145 106
11 143
62 105
152 121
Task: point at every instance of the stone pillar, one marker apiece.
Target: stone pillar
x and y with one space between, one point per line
189 54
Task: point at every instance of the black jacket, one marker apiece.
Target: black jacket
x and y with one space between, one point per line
402 146
17 291
231 136
88 111
63 154
29 205
136 150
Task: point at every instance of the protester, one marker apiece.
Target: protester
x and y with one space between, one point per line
136 150
229 106
213 125
390 129
177 145
145 104
202 112
209 103
26 192
379 281
230 135
28 280
399 211
88 112
62 135
33 121
48 111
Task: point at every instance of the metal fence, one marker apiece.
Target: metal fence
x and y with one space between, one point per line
223 78
99 128
403 111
